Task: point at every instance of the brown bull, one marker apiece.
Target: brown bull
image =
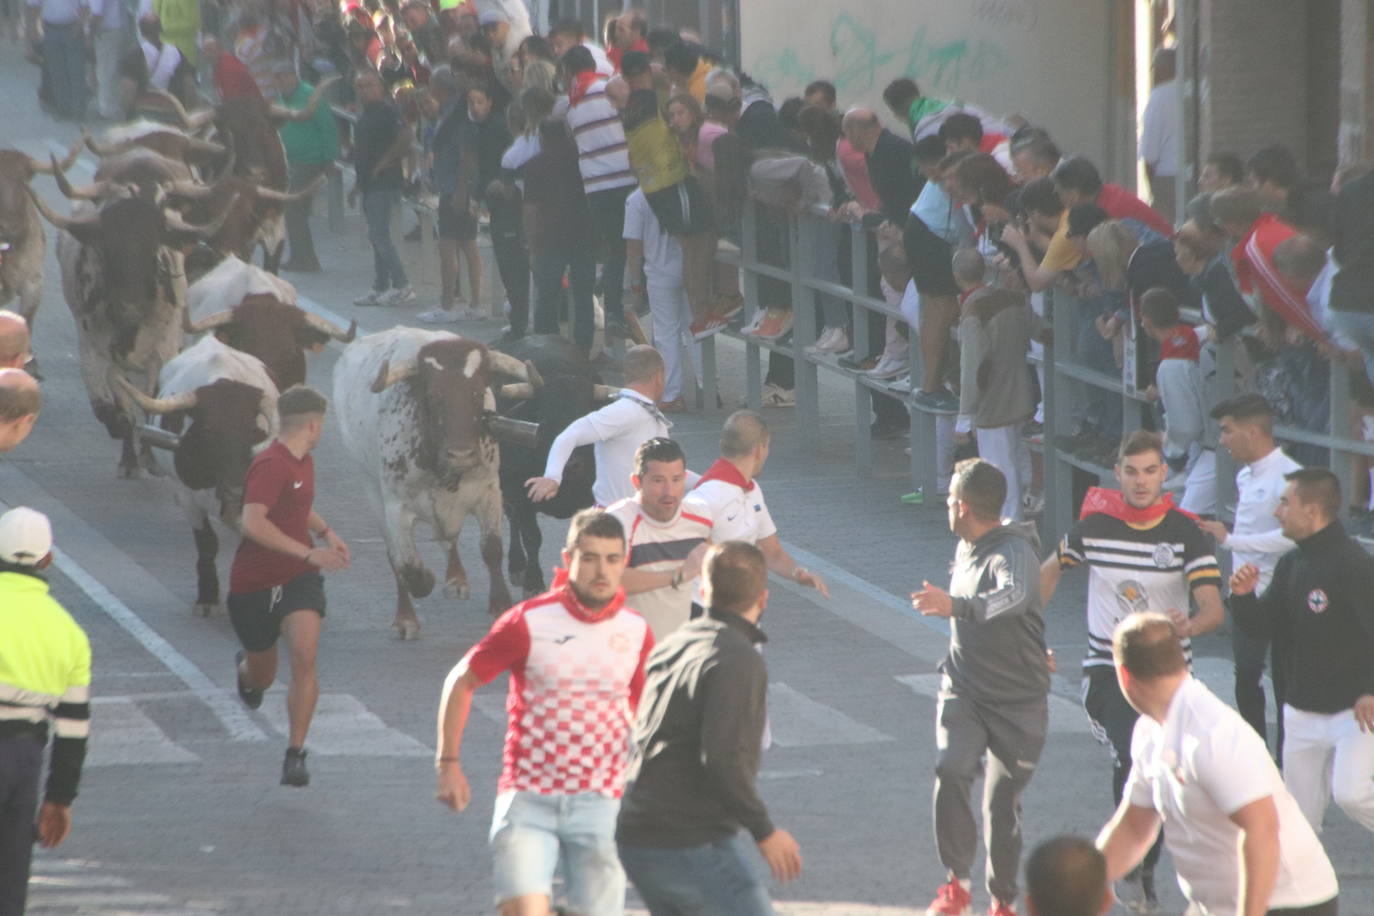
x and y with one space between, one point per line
275 332
22 242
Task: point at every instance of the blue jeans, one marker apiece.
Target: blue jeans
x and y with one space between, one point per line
534 837
64 60
377 207
548 267
711 880
21 771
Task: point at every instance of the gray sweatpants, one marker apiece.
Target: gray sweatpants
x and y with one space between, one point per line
1011 735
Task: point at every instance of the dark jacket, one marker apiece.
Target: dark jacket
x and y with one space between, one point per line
375 132
698 737
1352 289
1317 613
890 171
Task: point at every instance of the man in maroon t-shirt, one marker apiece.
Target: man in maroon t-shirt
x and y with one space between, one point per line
275 584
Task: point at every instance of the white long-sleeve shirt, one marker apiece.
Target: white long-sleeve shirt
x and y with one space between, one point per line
162 62
1256 537
615 432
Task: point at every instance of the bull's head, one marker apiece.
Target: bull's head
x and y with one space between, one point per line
16 170
274 332
450 381
220 425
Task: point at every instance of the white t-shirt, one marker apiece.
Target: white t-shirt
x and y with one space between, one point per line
1159 139
661 547
1198 768
615 432
1257 538
662 252
736 514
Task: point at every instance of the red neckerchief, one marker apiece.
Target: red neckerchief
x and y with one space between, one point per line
1101 501
724 470
563 591
581 83
1182 343
963 297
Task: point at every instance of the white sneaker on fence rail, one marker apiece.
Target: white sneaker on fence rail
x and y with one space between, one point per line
888 368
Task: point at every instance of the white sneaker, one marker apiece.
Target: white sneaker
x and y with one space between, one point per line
754 322
1033 505
371 299
822 344
839 343
888 368
437 316
470 314
398 296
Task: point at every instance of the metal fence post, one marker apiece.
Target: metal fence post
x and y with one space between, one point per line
749 281
802 245
863 395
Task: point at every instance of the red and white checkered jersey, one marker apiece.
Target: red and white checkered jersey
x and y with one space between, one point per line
575 679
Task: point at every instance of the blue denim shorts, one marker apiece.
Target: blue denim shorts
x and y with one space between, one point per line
528 832
717 879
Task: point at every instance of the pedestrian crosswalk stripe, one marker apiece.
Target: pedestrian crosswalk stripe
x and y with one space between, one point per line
344 727
1066 715
121 734
797 720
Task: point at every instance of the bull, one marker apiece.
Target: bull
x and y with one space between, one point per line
22 241
253 311
219 406
163 139
570 391
411 406
123 279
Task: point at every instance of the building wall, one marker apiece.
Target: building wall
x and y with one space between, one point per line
1046 59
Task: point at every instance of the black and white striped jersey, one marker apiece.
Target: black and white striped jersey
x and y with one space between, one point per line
1133 568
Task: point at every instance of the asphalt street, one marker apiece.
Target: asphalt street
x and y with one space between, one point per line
181 811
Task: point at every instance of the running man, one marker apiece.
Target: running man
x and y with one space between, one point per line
616 432
667 534
1141 554
994 709
576 658
275 586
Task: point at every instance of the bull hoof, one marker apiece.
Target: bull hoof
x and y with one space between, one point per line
457 590
406 630
205 608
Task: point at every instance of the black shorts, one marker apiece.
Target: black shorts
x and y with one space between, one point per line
929 258
456 223
257 616
682 209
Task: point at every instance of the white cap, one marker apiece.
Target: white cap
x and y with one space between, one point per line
25 537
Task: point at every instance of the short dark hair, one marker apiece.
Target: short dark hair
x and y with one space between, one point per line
1140 441
634 63
980 484
1159 307
682 57
1039 196
1318 485
824 87
929 148
300 399
900 93
1229 165
17 403
961 126
736 575
596 523
569 27
1076 173
984 177
1147 645
1276 165
661 38
1066 876
659 448
578 59
1084 218
1039 147
1248 408
789 111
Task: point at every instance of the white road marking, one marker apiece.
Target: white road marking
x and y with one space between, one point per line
797 720
1066 715
231 714
344 727
124 735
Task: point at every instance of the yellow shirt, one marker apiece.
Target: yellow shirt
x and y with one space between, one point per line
45 657
697 84
1062 253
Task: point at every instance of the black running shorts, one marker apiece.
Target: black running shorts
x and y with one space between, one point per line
257 616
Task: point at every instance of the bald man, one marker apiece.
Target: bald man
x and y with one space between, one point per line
14 340
20 400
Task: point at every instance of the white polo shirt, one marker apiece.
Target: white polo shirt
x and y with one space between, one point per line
1257 537
736 514
615 433
658 547
1200 766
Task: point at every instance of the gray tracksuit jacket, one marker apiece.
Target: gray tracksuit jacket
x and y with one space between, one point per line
997 630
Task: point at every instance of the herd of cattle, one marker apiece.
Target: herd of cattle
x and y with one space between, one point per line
158 250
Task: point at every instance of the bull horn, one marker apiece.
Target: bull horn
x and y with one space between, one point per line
509 365
205 147
183 401
189 122
604 392
284 197
520 391
205 231
105 150
61 222
57 168
325 326
389 375
93 191
281 113
208 323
